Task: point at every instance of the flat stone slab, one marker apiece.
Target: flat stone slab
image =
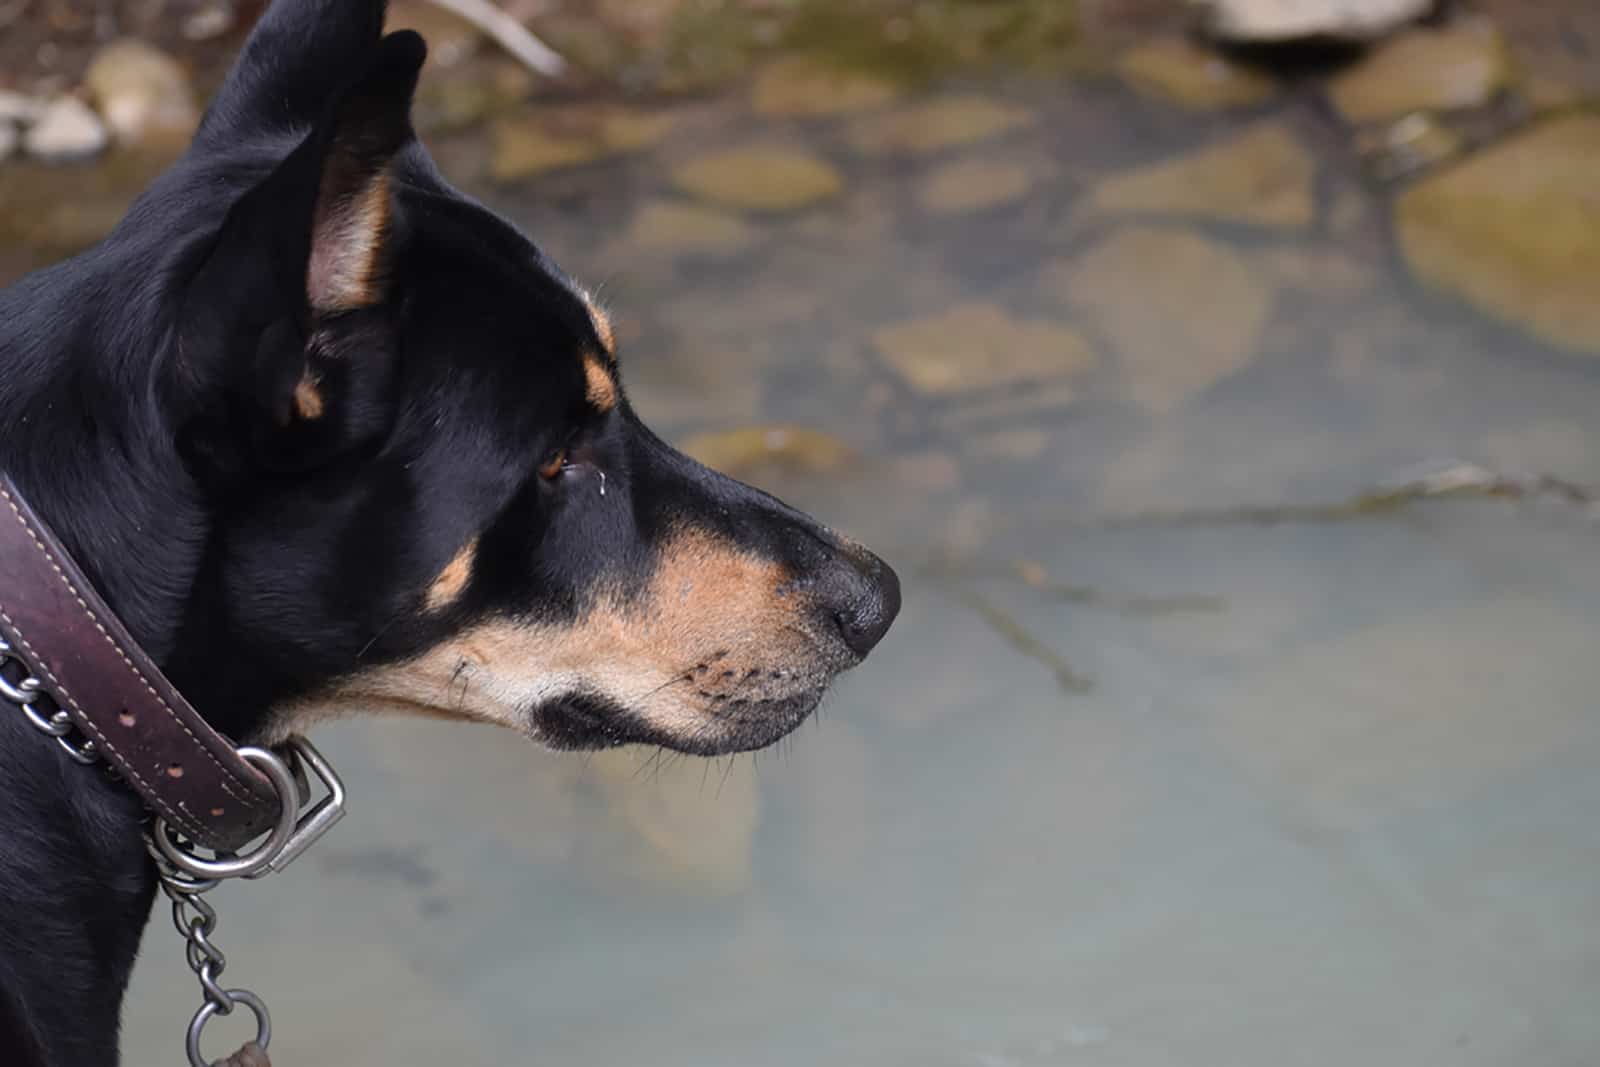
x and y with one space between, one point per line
1513 231
1182 311
977 346
972 185
1462 66
802 87
760 179
1261 177
937 125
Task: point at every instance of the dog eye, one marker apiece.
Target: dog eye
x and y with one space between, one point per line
554 465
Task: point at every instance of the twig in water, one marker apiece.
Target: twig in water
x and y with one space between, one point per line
1017 636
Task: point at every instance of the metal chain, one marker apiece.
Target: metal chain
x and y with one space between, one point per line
192 914
58 725
196 920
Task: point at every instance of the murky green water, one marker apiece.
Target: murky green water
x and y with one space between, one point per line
1155 769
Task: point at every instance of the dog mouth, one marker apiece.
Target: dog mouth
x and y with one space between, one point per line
583 723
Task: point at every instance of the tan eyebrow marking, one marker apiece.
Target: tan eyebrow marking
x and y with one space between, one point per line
602 387
602 325
453 579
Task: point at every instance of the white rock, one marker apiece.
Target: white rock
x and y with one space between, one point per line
208 23
17 108
1287 20
67 129
8 140
141 91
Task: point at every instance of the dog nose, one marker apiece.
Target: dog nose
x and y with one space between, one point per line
862 595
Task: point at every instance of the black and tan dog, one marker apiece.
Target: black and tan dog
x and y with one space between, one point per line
331 437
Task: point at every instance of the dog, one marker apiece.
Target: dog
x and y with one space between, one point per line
331 437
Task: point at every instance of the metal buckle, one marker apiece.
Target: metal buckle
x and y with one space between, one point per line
319 818
295 831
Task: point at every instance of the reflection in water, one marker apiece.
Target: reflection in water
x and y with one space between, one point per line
1186 749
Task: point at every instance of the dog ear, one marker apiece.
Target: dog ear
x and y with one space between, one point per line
352 222
299 274
297 57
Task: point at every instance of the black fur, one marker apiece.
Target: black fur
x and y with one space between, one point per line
259 555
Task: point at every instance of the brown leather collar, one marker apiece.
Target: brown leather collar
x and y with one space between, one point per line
89 665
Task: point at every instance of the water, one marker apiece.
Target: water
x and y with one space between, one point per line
1172 757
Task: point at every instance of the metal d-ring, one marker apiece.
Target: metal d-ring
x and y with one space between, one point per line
197 1025
257 858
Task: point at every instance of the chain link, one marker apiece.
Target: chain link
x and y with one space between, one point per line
196 920
58 725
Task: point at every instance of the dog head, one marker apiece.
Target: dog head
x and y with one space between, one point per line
412 476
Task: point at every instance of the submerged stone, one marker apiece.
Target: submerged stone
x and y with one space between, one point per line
1182 311
522 150
1261 177
768 449
1412 144
1461 66
665 226
527 146
803 87
937 125
970 185
977 346
1179 71
1512 231
759 178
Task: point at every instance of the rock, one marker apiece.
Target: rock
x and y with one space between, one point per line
552 140
1511 230
9 140
679 388
1546 93
981 346
671 228
940 124
1178 71
973 185
802 87
748 452
1182 311
66 130
523 150
1461 66
760 178
630 131
1271 21
1412 144
18 108
142 92
1261 177
208 23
